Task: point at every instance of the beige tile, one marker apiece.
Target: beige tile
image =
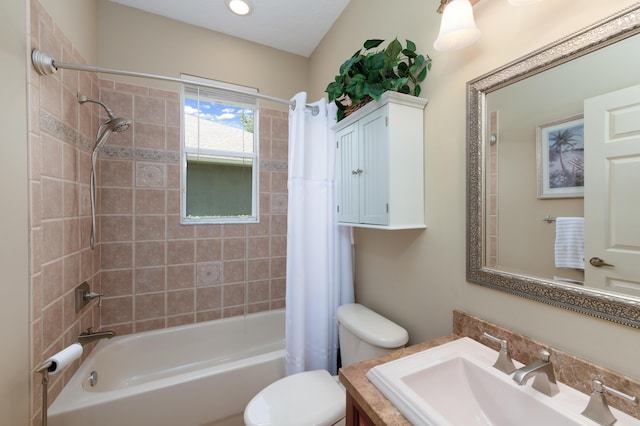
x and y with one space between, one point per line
71 271
52 285
52 198
150 201
116 228
257 269
177 320
181 276
209 315
149 280
233 248
52 239
208 298
150 253
149 136
149 325
51 323
116 255
149 110
180 251
51 151
149 306
117 283
258 247
278 288
209 273
258 291
150 227
180 302
177 231
115 201
234 271
278 267
116 173
233 295
279 224
209 250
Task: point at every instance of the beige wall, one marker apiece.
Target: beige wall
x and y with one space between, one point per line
14 287
133 40
418 277
78 20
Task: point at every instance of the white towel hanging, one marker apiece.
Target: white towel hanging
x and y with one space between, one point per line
569 245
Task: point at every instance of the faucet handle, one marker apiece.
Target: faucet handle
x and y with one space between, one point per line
504 362
598 409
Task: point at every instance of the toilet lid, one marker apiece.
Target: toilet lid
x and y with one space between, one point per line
309 398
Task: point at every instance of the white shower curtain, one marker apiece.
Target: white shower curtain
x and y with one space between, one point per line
319 252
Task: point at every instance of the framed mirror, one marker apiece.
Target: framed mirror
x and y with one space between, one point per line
532 176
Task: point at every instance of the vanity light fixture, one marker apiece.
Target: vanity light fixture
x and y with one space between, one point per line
239 7
458 28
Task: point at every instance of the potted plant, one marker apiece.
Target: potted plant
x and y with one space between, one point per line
368 74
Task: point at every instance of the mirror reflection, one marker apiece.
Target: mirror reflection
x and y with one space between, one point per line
536 171
553 166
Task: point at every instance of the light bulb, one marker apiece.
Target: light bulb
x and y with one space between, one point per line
239 7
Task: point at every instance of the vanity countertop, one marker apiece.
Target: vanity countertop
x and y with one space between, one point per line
372 402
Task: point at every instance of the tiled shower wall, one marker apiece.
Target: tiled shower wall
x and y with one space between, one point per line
61 134
158 273
153 271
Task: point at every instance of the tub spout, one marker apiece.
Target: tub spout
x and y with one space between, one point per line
89 336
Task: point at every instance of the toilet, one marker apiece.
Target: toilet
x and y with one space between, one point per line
316 397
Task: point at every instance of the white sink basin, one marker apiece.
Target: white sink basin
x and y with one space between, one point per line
455 384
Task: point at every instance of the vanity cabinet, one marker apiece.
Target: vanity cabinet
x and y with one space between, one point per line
380 164
355 415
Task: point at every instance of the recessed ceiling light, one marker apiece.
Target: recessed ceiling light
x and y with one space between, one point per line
239 7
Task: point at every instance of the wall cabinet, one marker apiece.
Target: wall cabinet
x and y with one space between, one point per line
380 164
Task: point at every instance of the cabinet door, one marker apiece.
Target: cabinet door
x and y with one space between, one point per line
374 163
348 174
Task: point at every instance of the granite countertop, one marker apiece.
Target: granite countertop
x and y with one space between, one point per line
372 402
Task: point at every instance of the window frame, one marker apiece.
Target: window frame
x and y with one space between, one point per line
234 91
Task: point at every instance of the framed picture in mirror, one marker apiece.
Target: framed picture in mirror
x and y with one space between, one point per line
560 158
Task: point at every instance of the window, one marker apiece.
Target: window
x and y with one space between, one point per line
219 153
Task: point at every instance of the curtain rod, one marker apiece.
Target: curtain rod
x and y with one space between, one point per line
45 65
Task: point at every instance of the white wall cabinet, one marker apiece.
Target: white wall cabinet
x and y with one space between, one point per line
380 164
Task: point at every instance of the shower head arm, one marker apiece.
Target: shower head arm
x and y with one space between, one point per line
82 99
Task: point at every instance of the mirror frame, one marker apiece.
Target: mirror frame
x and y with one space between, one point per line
609 306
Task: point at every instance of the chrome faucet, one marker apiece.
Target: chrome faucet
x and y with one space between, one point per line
542 371
89 336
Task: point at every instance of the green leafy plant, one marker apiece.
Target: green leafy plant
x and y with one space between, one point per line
368 74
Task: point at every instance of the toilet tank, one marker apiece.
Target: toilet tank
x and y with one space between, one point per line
365 334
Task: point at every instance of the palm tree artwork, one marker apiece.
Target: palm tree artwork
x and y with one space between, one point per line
566 153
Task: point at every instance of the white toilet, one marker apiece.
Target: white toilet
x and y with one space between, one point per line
316 397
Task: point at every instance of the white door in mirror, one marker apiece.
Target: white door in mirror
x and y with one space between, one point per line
612 192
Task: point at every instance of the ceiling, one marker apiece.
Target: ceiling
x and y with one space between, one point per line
295 26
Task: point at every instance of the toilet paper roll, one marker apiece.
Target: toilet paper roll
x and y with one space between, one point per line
63 358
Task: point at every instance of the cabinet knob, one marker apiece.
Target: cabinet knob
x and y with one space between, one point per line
356 172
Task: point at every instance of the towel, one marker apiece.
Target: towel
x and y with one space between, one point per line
569 246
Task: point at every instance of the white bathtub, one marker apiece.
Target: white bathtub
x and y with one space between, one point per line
201 374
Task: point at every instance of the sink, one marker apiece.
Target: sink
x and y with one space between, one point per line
456 384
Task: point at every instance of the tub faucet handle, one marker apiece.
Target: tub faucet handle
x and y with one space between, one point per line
92 295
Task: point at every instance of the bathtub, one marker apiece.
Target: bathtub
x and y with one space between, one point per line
201 374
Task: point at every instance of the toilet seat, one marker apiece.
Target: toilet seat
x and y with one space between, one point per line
309 398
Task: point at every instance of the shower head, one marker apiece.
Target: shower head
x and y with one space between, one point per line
112 124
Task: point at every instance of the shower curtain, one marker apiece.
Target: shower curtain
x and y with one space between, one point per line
319 252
